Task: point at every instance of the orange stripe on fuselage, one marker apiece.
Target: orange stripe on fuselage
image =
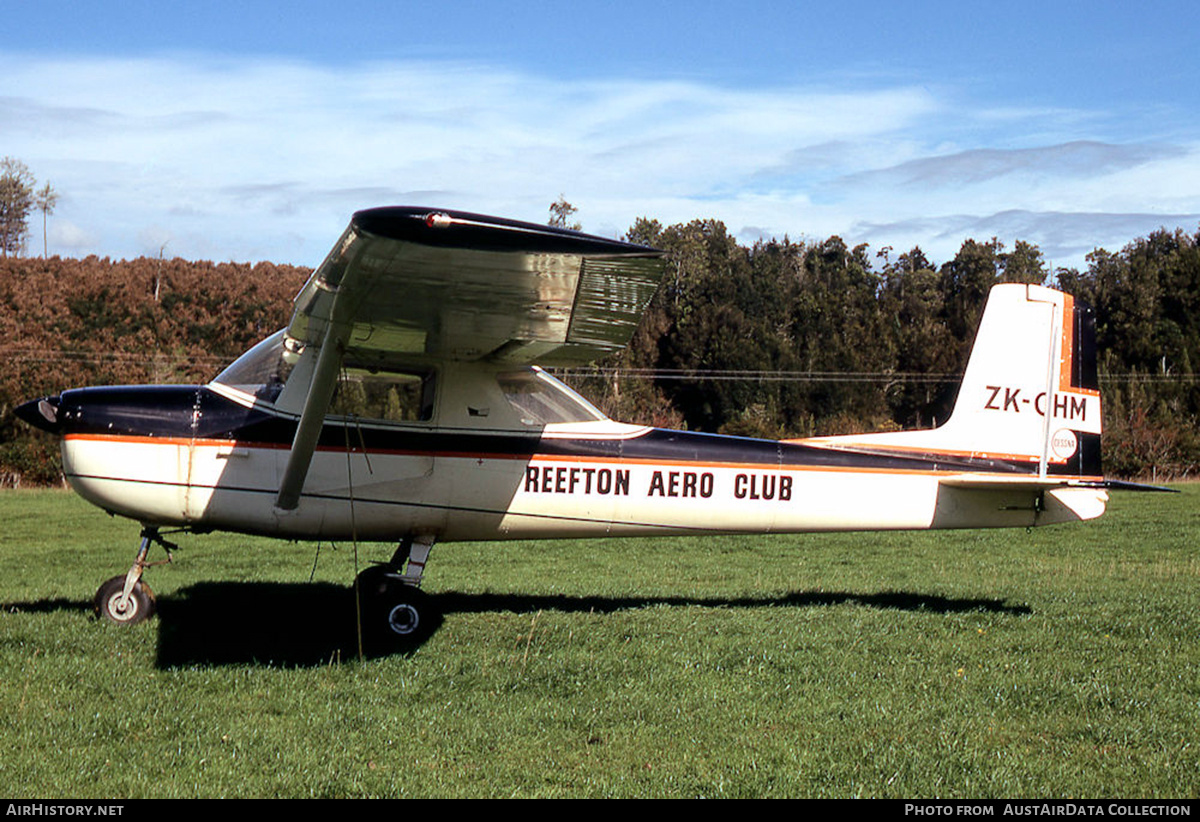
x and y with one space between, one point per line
867 448
750 466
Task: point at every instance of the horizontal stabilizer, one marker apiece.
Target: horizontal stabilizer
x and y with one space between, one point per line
1027 481
1121 485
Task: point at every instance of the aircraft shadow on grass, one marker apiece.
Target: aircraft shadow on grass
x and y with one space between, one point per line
45 606
309 624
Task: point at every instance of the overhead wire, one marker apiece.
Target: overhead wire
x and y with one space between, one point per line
16 355
747 375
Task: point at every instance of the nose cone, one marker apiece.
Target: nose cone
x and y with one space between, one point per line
42 413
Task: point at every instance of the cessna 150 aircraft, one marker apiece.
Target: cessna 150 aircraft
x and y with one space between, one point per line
402 403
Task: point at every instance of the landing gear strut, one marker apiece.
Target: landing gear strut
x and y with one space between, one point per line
125 599
395 614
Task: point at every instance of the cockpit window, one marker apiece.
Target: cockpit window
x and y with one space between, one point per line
542 400
261 371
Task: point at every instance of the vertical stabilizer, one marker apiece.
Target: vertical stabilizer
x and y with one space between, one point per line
1030 393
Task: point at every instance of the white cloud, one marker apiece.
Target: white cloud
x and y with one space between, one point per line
256 158
67 239
1078 159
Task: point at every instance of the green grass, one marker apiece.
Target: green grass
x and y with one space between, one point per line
1060 662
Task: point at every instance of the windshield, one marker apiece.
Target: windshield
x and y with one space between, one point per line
261 371
541 400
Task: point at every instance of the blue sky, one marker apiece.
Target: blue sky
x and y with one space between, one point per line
250 131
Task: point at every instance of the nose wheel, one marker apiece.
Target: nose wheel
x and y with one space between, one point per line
127 600
112 605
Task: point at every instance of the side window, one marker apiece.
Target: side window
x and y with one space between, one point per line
542 400
390 396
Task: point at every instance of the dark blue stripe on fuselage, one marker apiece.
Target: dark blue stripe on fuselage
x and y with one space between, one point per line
187 412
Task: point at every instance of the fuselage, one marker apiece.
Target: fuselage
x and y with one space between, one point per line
210 458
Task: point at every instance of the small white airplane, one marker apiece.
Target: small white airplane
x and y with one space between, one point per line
402 404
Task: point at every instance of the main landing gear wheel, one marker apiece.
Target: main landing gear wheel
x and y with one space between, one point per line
108 605
396 616
406 614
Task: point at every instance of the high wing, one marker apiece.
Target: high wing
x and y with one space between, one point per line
452 285
421 283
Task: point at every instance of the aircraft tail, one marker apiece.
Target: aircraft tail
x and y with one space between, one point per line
1030 395
1031 392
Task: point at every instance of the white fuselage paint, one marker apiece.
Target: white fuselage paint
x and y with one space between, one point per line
385 496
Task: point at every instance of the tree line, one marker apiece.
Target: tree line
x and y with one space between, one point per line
777 338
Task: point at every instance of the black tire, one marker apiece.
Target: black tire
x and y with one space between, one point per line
107 603
395 617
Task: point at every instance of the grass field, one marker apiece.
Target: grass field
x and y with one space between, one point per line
1061 662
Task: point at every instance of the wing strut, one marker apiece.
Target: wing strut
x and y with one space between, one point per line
320 392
